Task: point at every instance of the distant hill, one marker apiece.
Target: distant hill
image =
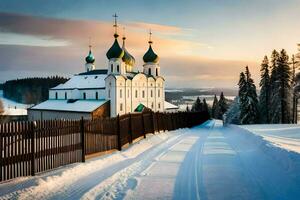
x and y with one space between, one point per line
30 90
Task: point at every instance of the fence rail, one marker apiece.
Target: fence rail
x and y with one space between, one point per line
27 148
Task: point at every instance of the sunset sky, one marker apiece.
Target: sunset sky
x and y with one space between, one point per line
200 43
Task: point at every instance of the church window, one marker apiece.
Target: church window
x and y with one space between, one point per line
121 107
143 93
111 68
108 93
120 93
152 105
158 105
118 68
158 95
151 93
156 72
84 95
97 95
149 71
66 95
56 95
136 94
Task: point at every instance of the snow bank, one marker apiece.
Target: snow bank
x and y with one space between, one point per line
285 136
47 185
288 159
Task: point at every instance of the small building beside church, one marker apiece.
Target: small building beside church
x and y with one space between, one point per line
119 89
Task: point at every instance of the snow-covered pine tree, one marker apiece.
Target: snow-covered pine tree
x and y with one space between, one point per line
248 101
214 107
275 108
284 87
233 112
265 91
222 106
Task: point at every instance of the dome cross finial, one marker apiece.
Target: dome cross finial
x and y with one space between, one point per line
150 37
124 37
90 44
115 25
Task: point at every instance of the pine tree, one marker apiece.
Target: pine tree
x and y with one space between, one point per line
197 107
265 92
205 106
222 106
274 96
284 87
248 99
233 112
187 108
214 107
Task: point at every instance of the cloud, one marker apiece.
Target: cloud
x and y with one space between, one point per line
181 60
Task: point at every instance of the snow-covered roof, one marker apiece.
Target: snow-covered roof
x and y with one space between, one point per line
169 106
83 82
64 105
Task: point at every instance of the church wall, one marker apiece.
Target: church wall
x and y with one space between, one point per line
151 93
110 87
160 94
139 91
120 96
77 94
128 91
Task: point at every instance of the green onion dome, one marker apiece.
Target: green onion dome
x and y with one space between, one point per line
127 58
90 58
150 56
115 51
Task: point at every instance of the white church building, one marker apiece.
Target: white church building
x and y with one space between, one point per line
119 89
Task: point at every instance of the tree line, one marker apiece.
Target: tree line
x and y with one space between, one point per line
216 111
276 101
31 90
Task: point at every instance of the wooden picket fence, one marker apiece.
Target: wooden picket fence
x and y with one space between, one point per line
28 147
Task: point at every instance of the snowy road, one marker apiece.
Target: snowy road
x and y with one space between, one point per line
205 162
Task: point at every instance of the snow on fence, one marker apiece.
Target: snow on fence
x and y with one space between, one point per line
28 148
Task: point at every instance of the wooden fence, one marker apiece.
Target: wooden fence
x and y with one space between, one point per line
28 148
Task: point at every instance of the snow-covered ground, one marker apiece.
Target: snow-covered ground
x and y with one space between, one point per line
283 135
206 162
12 107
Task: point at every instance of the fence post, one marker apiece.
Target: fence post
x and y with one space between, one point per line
130 129
143 125
153 128
82 139
119 133
32 135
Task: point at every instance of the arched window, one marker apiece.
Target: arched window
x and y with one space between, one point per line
143 93
136 94
108 93
66 95
56 95
158 95
149 71
120 93
111 67
158 105
97 95
84 95
118 68
156 72
151 93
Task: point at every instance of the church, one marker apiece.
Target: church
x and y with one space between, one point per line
117 90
